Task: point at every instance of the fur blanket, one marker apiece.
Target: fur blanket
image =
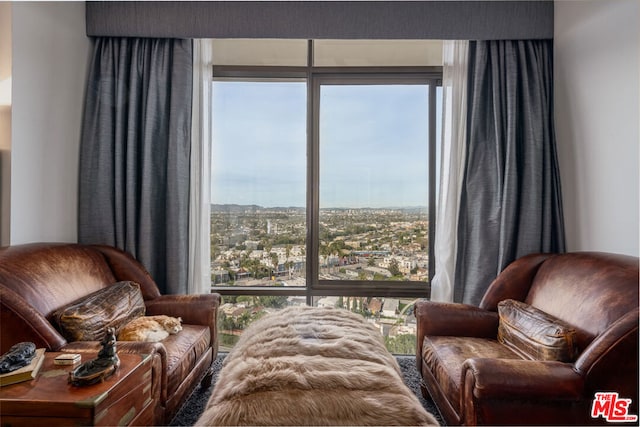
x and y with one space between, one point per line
312 366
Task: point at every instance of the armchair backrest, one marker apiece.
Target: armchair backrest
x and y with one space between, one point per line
37 279
49 276
590 291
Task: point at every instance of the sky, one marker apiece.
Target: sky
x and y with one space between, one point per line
373 150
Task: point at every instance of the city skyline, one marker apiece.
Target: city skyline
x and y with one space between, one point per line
302 208
373 147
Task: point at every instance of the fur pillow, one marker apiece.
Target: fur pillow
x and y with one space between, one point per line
86 318
534 334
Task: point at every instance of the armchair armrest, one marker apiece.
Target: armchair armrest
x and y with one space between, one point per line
520 379
508 391
452 319
610 362
198 309
21 322
201 309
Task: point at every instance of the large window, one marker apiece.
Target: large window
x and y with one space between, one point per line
374 181
323 187
258 183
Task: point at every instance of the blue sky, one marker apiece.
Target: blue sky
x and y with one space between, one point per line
373 150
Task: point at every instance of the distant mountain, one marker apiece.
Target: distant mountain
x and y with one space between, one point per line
235 208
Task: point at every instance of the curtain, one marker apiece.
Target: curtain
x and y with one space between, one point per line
510 202
134 153
452 156
200 204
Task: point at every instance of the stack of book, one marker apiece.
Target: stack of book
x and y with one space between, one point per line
26 373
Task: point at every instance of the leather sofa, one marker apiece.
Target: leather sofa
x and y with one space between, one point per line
37 280
479 370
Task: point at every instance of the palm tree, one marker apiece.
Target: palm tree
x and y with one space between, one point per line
288 265
324 252
274 261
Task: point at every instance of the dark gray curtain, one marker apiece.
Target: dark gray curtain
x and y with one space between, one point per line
134 153
511 199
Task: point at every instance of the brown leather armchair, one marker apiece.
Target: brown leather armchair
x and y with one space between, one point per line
38 279
477 377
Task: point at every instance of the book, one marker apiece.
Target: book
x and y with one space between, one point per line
26 373
67 359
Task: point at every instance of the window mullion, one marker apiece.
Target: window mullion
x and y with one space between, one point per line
432 177
312 176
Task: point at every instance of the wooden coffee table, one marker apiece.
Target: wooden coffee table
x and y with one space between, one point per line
122 399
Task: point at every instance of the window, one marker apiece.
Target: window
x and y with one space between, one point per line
373 186
258 190
323 185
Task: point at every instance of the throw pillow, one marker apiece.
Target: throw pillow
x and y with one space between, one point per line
534 334
86 318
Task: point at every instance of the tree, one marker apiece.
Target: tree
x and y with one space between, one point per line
272 301
231 299
249 300
324 253
274 262
227 323
401 344
394 268
378 276
288 266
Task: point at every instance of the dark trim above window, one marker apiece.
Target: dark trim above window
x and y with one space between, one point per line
447 20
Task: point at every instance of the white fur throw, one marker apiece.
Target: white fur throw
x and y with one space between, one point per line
312 366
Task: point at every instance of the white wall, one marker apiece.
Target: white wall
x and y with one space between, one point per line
5 121
597 112
50 56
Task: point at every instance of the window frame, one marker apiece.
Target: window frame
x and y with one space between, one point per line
315 77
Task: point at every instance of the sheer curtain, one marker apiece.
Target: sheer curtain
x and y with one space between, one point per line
199 271
452 158
134 153
510 203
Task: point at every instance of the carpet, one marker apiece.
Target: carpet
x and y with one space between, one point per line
195 404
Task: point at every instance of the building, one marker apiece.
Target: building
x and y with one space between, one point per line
390 307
